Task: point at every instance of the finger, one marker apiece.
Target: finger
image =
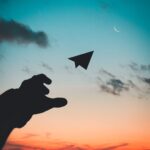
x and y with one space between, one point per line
41 90
48 103
56 102
35 81
41 78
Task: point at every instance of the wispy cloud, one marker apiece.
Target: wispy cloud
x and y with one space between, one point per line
29 135
117 85
68 69
139 67
104 72
136 82
114 86
47 66
115 146
109 83
12 31
13 146
26 69
146 80
64 146
134 66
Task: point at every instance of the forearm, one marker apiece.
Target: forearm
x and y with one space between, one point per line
4 133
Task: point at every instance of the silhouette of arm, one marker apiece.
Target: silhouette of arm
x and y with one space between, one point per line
4 133
18 105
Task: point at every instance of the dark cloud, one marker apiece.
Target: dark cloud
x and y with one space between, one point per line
47 66
146 80
113 86
107 89
12 31
139 67
145 67
108 83
117 85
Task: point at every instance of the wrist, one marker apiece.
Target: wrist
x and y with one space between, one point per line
5 131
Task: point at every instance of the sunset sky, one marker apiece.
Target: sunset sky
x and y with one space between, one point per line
109 103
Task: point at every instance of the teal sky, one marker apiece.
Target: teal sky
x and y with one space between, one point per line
74 27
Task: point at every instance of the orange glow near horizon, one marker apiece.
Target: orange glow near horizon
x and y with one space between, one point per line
126 127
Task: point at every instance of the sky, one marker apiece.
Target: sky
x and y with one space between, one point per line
108 104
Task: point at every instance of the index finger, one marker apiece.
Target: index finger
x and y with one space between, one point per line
42 78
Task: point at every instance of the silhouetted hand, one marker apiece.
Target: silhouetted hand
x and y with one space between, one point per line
18 105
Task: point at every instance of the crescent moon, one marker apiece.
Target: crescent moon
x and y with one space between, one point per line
115 29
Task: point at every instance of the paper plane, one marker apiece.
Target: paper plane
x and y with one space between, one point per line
82 60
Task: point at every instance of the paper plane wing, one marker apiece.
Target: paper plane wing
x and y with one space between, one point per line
82 60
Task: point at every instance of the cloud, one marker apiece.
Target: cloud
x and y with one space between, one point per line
107 89
87 147
29 135
134 66
114 86
12 146
145 67
132 84
117 85
47 66
68 69
109 83
139 67
147 81
102 71
115 146
26 69
144 80
63 146
12 31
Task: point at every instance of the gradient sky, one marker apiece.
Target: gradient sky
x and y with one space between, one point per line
119 33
